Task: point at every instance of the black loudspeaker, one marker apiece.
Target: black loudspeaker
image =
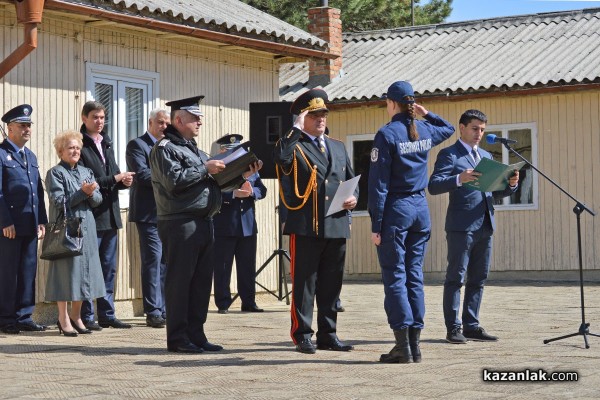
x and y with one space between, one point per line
268 123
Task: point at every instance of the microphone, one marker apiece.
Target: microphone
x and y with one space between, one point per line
491 139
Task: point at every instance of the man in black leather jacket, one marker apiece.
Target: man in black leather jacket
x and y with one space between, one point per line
186 199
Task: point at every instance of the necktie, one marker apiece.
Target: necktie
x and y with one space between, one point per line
475 155
22 153
319 142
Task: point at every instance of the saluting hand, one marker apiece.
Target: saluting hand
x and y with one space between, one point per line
299 123
420 110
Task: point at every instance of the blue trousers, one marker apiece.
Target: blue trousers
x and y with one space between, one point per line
405 232
17 278
469 255
154 269
107 248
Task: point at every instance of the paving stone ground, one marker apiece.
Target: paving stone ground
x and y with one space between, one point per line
259 361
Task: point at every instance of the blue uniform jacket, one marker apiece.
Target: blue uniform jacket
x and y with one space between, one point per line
142 206
21 191
467 207
236 217
398 165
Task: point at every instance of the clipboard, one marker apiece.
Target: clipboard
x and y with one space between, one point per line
494 175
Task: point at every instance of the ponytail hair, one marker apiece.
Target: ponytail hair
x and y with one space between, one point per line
413 134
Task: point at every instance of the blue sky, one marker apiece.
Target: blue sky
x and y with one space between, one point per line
464 10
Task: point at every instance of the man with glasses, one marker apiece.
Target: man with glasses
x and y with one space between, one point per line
315 165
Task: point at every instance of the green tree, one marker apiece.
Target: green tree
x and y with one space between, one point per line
360 15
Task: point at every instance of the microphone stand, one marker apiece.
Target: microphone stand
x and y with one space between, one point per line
584 328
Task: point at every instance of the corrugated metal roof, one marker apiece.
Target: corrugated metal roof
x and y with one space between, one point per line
231 16
464 57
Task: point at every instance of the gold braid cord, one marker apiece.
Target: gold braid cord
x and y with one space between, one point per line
310 187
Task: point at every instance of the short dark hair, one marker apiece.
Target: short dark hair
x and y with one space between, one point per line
90 106
470 115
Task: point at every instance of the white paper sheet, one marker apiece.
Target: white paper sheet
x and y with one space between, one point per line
343 193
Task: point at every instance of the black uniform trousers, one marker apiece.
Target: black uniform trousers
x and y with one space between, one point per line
188 246
17 278
244 250
317 270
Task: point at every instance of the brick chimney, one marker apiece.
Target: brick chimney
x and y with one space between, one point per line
325 23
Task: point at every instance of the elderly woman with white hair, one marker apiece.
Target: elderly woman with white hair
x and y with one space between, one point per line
80 277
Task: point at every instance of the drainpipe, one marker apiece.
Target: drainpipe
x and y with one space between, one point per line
29 13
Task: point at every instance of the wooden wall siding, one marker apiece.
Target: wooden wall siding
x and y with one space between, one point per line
52 79
568 139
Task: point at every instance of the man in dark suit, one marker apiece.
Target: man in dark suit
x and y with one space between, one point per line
22 219
469 227
142 211
315 166
235 236
98 155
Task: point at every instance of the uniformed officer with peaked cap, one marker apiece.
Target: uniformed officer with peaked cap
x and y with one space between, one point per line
187 198
235 236
314 165
22 219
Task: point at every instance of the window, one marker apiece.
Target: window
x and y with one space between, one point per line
128 96
525 134
359 147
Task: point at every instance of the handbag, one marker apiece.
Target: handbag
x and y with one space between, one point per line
63 238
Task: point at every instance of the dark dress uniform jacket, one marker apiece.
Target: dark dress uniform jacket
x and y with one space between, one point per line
21 194
142 206
107 214
329 177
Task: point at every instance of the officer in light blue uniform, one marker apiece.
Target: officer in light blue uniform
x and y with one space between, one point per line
22 219
399 214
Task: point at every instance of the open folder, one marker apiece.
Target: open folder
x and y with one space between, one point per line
237 161
494 175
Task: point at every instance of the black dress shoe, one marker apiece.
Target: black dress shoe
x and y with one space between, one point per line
340 309
84 331
185 348
114 323
252 308
223 311
306 346
10 329
208 346
334 345
479 335
155 321
92 325
30 326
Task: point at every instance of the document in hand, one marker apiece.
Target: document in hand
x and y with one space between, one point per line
343 192
237 161
494 175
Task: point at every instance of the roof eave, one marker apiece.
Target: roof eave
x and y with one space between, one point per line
200 33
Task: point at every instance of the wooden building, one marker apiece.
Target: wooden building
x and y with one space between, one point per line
135 56
537 77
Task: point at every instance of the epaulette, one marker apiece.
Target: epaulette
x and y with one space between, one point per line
163 142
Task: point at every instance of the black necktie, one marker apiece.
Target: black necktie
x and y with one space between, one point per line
320 145
22 153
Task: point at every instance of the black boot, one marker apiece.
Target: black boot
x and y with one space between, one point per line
401 351
414 335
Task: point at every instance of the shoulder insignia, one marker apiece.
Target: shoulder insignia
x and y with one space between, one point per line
163 142
374 154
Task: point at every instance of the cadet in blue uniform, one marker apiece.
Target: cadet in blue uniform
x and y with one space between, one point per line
314 165
22 219
399 213
235 236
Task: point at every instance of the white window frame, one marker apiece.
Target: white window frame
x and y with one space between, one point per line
503 129
120 78
350 139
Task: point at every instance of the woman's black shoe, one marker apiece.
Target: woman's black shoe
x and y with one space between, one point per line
83 331
66 333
